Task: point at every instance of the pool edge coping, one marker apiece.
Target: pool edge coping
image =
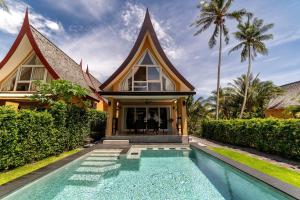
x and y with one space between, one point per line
20 182
284 187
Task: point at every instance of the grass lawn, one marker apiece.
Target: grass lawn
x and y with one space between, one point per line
20 171
284 174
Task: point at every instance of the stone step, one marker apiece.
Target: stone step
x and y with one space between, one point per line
104 154
107 151
97 163
124 142
98 169
102 158
86 177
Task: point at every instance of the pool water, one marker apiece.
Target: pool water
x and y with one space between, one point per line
157 174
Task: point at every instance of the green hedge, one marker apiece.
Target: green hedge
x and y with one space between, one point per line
27 135
98 124
275 136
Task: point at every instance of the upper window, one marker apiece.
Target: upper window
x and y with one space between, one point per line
147 75
23 77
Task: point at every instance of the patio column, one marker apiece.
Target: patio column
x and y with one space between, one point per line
184 118
181 106
110 116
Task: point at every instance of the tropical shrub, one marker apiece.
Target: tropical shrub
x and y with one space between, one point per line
275 136
28 135
98 124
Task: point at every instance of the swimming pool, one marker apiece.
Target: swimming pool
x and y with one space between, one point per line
156 174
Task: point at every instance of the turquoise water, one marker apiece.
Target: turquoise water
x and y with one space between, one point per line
157 174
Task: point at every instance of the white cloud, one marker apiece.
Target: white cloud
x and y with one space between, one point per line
99 49
84 9
11 21
133 17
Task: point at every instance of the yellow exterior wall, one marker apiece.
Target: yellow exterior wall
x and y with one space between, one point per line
278 113
15 105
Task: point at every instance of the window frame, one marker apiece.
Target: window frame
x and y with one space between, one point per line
30 81
132 72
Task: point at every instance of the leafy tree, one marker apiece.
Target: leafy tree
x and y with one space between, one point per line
232 96
214 13
3 5
60 90
196 110
251 34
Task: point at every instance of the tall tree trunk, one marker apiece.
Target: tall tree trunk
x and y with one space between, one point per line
219 72
246 83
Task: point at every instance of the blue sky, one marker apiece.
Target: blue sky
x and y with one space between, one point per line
102 32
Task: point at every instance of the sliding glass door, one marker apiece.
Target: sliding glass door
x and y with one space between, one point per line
147 118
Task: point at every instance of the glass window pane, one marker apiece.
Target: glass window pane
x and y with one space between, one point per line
33 60
140 74
129 84
153 73
164 117
22 87
25 73
140 118
38 73
129 113
147 60
9 84
167 84
49 78
154 87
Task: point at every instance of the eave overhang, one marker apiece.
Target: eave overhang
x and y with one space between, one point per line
146 95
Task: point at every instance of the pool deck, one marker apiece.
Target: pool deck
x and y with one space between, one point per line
16 184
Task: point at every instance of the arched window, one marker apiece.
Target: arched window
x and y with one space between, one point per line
22 78
147 75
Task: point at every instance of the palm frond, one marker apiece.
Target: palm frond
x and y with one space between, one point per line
237 15
225 32
266 28
237 47
3 5
227 6
213 41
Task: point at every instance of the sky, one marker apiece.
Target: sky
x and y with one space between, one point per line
102 33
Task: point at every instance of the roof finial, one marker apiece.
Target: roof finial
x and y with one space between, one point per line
87 69
26 18
80 64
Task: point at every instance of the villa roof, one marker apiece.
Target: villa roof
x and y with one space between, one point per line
57 62
147 27
290 96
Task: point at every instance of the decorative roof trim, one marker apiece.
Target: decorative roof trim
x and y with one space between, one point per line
147 26
25 30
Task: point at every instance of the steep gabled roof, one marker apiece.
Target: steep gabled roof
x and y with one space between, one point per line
290 97
147 27
58 63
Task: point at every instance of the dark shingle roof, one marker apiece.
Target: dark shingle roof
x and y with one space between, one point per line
290 97
62 64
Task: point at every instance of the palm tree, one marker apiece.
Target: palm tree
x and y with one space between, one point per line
251 35
3 5
259 95
215 12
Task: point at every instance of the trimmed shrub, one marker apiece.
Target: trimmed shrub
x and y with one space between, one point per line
98 124
27 135
275 136
8 137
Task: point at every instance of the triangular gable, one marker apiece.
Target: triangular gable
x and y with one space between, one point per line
57 63
147 30
26 31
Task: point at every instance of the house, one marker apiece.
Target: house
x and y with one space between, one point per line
290 97
146 94
34 57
